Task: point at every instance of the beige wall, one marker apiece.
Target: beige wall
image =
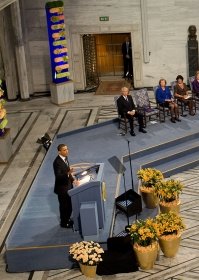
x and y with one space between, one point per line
168 22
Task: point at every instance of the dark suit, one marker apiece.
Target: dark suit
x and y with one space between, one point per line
124 106
63 183
128 68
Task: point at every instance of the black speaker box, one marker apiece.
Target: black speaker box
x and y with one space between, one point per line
130 203
119 258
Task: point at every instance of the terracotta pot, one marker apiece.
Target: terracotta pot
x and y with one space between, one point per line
166 207
150 198
146 256
169 244
88 270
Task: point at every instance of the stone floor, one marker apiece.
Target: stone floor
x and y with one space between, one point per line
29 121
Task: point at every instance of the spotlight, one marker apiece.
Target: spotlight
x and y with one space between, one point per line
45 140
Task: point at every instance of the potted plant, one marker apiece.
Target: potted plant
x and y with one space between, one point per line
168 192
3 119
145 245
149 177
169 227
88 254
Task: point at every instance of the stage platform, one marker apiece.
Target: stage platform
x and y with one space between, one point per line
36 241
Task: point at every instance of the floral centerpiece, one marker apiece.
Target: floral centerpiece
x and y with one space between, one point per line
88 254
144 237
169 227
149 177
168 192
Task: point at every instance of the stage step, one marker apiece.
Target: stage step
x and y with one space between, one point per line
170 157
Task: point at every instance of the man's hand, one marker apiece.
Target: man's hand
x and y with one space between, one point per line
131 112
76 183
70 171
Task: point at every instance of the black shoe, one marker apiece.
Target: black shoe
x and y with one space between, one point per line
173 120
66 225
132 133
177 119
69 224
141 129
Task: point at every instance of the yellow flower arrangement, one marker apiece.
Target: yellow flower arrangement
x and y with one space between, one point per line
149 177
143 232
86 252
169 190
168 224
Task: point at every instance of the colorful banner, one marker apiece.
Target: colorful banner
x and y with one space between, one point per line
57 41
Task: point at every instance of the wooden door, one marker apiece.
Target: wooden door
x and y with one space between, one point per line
109 54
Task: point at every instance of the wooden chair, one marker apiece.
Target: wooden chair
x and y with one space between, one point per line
163 111
144 104
123 122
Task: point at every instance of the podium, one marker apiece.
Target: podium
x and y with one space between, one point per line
89 190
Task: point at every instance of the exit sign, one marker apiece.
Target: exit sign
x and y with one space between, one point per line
104 18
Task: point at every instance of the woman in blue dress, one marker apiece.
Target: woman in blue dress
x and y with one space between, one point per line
164 98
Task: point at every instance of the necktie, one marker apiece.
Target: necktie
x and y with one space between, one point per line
66 161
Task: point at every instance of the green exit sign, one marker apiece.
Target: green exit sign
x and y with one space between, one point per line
104 18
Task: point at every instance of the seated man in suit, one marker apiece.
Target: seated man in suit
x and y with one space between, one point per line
126 108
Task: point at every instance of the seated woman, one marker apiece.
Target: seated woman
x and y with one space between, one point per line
195 84
181 93
164 98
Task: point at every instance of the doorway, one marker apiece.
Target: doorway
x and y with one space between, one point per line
103 56
109 53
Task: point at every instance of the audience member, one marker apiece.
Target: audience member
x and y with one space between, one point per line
126 108
195 84
164 98
127 58
181 93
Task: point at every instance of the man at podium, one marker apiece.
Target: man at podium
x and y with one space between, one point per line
63 183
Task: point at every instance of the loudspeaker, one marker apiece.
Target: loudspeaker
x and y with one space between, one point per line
119 258
130 203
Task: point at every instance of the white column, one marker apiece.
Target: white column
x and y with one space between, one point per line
20 51
145 33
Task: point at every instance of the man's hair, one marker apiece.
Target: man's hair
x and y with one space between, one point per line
60 146
124 88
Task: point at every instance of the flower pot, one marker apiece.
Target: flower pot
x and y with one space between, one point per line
149 197
146 256
169 244
88 270
173 206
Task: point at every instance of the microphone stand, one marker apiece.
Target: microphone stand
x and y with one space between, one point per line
130 162
127 210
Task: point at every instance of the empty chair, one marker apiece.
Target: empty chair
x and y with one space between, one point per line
144 104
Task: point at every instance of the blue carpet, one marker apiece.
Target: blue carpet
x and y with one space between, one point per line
36 241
